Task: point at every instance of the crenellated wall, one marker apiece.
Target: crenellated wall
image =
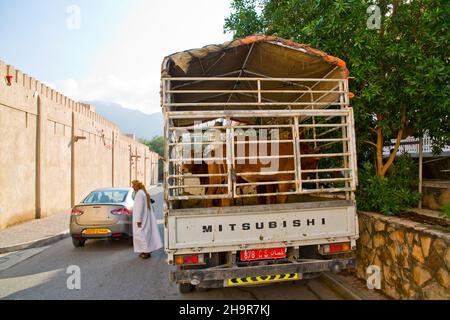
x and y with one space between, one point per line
54 150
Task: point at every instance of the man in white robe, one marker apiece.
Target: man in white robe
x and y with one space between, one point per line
146 238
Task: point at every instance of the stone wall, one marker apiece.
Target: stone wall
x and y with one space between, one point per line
54 150
414 258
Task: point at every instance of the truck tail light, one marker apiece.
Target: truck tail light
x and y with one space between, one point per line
121 211
334 248
76 212
188 259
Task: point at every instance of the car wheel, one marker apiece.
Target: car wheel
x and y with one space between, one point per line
185 287
78 243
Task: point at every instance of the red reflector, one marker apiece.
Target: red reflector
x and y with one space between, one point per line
335 247
190 259
121 211
182 260
76 212
116 234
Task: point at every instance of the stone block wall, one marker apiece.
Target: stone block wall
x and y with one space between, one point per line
414 258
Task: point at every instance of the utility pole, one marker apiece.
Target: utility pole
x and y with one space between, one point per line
420 169
39 127
112 158
74 139
132 157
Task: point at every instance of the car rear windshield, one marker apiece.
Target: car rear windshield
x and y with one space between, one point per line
106 196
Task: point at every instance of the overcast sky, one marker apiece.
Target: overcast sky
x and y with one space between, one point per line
109 50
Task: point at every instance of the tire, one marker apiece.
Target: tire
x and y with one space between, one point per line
78 243
185 288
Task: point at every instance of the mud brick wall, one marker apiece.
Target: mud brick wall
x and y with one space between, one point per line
43 169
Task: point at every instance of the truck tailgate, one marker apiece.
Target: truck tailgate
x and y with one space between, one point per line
262 226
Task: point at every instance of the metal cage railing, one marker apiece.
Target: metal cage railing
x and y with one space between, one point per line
315 131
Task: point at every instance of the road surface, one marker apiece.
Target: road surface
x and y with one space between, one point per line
111 270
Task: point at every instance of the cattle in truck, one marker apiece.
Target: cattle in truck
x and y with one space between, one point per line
251 165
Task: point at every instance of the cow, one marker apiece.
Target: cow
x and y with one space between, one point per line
206 167
284 165
249 166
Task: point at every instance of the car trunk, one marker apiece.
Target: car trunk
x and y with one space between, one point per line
97 214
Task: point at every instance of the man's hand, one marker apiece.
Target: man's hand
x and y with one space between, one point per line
139 224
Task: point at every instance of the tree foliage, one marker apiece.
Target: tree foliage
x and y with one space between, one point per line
400 72
392 194
156 145
244 20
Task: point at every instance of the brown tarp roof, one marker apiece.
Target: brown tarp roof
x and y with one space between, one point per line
272 56
254 56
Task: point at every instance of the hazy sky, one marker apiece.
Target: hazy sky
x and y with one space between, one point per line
108 50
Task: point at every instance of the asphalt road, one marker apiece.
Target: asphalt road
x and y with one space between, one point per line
111 270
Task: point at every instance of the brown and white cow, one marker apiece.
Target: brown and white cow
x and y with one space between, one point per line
254 166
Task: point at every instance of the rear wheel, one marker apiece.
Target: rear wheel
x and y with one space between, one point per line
185 287
78 243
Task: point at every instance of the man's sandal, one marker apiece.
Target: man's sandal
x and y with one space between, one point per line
145 255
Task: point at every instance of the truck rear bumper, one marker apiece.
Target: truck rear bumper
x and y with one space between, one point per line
218 276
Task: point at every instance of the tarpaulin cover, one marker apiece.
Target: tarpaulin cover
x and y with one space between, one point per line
274 56
254 56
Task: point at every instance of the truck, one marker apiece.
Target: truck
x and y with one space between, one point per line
260 164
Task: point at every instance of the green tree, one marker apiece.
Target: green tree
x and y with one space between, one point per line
244 20
156 145
400 72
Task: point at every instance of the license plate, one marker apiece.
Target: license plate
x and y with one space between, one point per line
96 231
263 254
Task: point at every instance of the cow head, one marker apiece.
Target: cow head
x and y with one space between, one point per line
193 167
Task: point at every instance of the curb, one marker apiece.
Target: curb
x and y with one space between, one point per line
340 288
36 243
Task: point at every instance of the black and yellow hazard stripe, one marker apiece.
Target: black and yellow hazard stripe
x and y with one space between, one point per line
262 279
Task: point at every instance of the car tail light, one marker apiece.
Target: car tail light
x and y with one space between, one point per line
121 211
335 248
189 259
76 212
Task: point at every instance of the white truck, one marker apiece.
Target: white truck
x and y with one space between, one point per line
260 164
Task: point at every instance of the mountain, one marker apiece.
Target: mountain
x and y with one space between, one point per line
143 125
